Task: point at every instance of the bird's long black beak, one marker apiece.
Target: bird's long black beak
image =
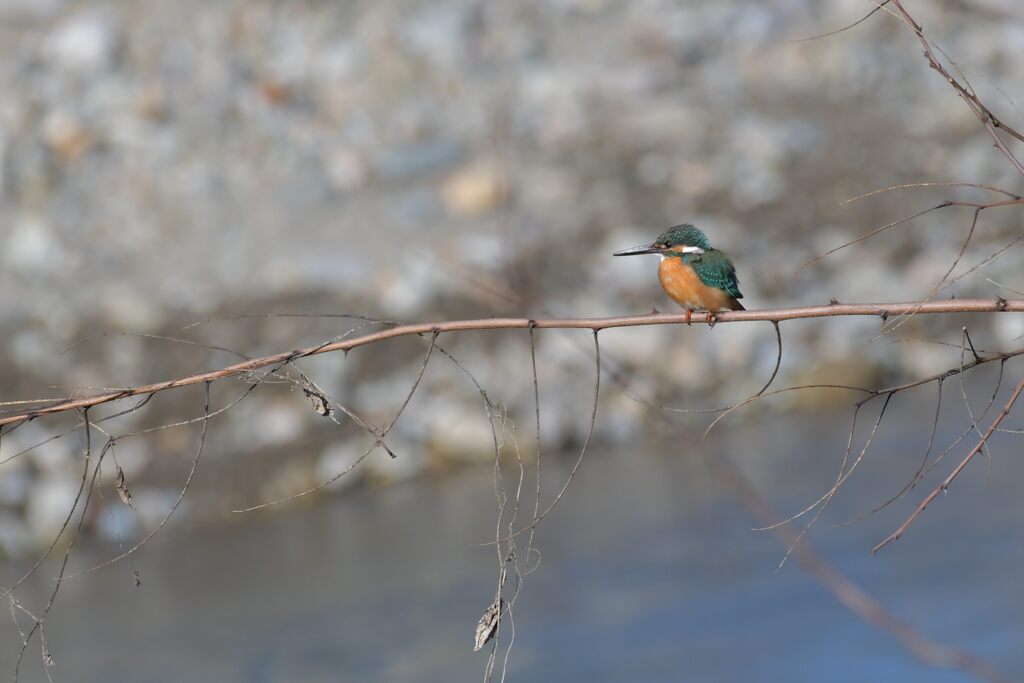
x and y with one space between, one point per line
644 249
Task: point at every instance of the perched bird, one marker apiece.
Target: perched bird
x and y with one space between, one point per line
694 275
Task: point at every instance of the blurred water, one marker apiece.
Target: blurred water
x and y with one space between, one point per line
650 572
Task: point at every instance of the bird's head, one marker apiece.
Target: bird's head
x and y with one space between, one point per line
677 240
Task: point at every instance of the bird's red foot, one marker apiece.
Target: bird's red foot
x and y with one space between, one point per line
711 319
689 316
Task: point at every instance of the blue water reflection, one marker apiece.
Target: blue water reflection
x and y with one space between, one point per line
650 572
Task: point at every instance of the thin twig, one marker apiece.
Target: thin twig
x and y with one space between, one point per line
964 90
177 502
844 28
953 475
583 450
907 186
379 441
853 597
874 232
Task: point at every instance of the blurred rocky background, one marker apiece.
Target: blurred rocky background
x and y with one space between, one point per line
173 161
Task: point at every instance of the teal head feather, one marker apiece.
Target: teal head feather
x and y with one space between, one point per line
684 235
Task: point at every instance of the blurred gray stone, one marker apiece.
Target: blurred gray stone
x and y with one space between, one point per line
49 506
459 432
85 41
15 483
16 541
409 463
341 462
32 246
153 505
292 477
118 523
30 9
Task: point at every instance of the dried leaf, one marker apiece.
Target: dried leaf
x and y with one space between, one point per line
316 396
321 405
122 490
488 624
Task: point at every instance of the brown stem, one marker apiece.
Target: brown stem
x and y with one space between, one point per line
595 324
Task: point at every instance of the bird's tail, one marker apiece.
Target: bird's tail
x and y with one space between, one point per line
735 305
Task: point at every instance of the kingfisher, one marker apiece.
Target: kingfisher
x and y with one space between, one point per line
694 275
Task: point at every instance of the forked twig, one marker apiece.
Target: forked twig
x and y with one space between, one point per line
963 88
181 494
956 472
378 440
853 597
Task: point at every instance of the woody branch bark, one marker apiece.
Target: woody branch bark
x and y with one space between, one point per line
881 310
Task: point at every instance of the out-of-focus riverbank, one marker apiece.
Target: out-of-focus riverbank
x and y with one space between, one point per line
166 162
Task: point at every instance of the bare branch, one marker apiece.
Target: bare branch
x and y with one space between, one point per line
959 468
595 324
920 468
853 597
964 90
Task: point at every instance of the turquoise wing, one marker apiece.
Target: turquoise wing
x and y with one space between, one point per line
716 270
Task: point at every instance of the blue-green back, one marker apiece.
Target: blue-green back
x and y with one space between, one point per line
715 269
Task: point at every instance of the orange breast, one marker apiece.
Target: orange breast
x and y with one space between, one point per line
685 287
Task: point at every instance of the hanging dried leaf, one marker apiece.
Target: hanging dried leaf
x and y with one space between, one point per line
122 490
320 403
138 577
488 624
